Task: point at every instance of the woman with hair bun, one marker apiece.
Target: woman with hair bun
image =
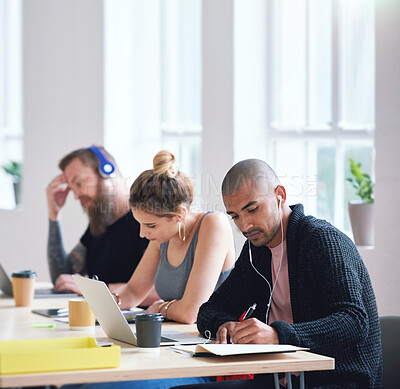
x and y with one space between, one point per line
189 255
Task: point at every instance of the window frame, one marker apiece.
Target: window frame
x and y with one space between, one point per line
11 95
336 133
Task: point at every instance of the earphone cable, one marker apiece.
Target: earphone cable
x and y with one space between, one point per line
271 291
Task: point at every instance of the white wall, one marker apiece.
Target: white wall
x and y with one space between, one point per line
63 78
384 262
63 110
217 101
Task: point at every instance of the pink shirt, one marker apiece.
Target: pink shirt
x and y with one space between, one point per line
280 304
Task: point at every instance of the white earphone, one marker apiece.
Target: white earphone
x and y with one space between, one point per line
271 290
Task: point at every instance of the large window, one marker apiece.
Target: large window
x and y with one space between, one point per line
11 132
153 83
303 90
317 94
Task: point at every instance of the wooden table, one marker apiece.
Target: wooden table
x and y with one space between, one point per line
15 323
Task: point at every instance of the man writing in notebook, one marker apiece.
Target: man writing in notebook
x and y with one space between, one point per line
307 278
111 247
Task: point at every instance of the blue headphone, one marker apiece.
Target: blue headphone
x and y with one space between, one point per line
106 168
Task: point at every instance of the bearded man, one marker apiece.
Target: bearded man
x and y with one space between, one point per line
111 247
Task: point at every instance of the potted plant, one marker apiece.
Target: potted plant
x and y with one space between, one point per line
361 213
14 169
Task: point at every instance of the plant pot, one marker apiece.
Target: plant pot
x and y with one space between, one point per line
362 223
17 192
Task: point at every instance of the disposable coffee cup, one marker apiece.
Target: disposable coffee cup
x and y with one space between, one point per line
23 284
80 316
148 330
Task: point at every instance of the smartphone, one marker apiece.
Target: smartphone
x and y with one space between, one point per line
56 312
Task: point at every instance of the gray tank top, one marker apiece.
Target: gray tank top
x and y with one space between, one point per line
170 281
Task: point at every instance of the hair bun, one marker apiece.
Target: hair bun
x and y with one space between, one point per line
163 163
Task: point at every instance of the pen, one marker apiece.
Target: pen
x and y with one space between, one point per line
52 325
248 313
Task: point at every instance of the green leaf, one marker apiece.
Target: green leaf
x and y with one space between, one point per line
13 168
356 171
362 183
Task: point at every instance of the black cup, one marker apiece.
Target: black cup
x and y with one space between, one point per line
148 329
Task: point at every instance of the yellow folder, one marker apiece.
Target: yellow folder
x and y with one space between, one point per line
40 355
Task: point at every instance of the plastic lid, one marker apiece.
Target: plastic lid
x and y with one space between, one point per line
24 274
149 317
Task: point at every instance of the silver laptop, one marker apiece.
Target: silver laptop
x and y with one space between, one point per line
6 287
113 321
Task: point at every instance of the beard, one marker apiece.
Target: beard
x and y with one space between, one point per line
268 233
265 239
101 214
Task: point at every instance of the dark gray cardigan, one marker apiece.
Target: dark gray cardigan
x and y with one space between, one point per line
333 303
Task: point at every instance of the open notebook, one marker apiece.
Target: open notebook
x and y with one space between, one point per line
6 287
113 321
223 350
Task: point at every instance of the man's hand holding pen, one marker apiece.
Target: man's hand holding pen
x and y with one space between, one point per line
247 330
